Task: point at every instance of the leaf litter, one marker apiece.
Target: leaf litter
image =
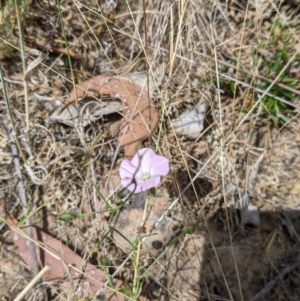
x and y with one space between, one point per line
140 115
87 113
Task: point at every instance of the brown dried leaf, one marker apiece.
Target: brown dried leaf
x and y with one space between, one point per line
139 112
86 279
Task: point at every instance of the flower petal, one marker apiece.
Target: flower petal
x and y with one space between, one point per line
153 182
127 169
137 189
126 181
133 186
140 186
160 166
130 185
143 159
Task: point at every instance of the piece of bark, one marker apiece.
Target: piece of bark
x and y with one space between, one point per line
67 269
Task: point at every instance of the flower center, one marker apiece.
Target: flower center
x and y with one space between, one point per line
146 176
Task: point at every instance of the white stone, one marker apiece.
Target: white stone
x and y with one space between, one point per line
191 123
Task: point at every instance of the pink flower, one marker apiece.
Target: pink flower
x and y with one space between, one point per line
143 171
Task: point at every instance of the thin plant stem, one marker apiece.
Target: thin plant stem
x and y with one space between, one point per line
181 11
67 47
10 117
138 251
23 66
222 154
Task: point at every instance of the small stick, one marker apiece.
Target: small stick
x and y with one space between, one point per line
269 286
254 172
32 283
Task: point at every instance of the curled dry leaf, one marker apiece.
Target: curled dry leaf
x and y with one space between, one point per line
67 269
139 112
85 114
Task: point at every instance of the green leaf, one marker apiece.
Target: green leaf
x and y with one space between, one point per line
277 108
283 118
153 192
285 57
104 262
289 95
232 87
289 80
68 216
277 65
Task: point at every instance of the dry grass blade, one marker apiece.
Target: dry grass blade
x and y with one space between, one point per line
32 283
